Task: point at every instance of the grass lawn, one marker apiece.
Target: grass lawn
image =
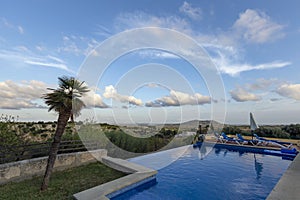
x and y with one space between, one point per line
62 184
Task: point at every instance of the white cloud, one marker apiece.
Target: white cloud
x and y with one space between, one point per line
262 84
78 45
153 85
22 48
103 31
222 47
194 13
17 104
111 92
69 46
233 68
256 26
40 48
6 23
49 61
266 87
9 25
242 95
20 29
56 59
32 89
177 98
49 64
27 93
289 90
149 53
21 95
22 55
127 21
91 99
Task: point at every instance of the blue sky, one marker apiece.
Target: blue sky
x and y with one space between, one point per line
254 45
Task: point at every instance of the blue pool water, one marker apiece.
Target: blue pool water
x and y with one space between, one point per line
222 174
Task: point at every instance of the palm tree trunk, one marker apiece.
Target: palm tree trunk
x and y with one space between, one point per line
72 117
61 125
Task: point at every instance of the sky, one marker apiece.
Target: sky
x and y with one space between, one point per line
154 61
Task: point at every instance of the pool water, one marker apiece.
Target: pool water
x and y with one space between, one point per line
222 174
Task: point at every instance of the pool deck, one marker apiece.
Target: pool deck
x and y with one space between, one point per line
288 187
137 174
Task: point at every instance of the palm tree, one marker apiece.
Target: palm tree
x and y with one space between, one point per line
65 100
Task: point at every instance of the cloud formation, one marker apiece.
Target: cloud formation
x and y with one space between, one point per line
194 13
289 90
21 95
241 95
262 84
111 92
92 99
228 66
27 94
49 64
224 47
176 98
257 27
150 53
21 55
77 45
140 19
266 87
9 25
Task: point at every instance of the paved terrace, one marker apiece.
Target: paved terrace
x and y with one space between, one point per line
288 187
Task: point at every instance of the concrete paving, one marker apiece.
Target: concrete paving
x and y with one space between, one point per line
288 187
124 165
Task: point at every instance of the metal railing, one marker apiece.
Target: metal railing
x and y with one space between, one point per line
29 151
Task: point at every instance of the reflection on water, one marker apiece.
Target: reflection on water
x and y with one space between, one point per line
258 167
204 149
221 174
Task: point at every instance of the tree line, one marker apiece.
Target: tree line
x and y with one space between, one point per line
141 145
291 131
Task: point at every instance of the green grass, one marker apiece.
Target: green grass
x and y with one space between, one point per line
62 184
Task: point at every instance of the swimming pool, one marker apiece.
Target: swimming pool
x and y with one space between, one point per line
222 174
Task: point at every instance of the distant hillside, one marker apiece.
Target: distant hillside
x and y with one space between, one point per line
33 132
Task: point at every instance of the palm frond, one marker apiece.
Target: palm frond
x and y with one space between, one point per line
66 98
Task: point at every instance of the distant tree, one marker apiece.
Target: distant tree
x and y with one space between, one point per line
293 130
231 130
7 135
64 100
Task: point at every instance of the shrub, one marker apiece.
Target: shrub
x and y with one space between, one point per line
44 135
7 135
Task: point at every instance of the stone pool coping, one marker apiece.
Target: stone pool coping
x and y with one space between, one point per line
137 174
289 184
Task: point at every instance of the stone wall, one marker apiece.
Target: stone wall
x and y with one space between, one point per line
25 169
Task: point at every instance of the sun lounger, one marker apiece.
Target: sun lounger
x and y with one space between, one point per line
265 141
218 137
229 139
242 140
